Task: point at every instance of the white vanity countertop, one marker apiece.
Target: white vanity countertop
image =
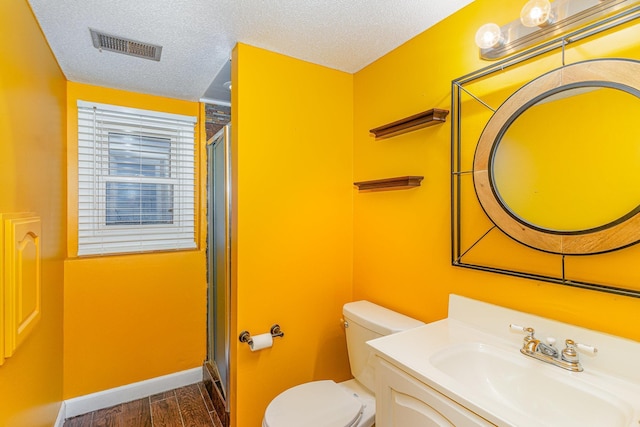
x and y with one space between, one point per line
610 377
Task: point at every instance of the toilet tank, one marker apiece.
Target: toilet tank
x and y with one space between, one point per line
366 321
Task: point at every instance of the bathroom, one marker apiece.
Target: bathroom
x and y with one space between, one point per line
306 241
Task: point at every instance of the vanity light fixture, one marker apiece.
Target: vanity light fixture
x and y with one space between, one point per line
536 13
540 20
489 36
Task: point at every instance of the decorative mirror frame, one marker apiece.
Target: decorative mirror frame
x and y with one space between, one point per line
614 73
617 73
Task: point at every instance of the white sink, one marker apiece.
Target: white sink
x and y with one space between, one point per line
474 359
514 381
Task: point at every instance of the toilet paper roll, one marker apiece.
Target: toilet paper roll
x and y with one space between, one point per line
261 341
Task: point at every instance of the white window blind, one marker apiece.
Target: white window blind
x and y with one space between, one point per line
135 180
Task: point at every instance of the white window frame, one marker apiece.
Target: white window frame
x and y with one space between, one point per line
95 123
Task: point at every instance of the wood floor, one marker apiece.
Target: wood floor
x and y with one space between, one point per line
188 406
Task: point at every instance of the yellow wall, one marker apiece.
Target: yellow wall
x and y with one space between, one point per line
32 165
402 238
129 318
292 145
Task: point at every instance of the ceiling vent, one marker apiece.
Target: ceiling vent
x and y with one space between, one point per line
102 41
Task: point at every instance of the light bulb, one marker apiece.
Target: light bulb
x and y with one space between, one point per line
488 36
536 13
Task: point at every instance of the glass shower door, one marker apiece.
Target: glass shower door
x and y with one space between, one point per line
219 256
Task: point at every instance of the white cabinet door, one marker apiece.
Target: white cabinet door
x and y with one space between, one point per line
403 401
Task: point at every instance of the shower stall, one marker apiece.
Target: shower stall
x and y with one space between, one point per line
216 369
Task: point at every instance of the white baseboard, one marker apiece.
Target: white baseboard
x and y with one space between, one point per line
62 415
104 399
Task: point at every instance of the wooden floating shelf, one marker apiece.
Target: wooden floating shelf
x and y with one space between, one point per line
399 183
427 118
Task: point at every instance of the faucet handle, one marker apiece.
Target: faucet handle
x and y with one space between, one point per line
529 331
587 348
515 327
569 353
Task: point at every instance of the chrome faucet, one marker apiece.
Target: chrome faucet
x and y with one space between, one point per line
548 350
566 359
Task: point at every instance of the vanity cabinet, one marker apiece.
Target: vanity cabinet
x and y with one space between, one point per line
403 401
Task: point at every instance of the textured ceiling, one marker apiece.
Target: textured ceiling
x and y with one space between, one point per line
197 37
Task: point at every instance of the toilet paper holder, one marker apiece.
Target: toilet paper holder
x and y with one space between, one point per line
245 336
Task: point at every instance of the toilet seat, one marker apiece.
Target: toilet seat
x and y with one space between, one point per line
314 404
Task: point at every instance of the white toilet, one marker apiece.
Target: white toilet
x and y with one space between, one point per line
350 403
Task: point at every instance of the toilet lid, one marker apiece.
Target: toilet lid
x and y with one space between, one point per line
314 404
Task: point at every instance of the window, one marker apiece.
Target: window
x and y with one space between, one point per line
135 180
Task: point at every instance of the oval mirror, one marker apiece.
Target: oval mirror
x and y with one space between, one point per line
571 178
556 152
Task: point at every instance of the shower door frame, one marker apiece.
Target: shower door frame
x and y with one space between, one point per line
214 353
